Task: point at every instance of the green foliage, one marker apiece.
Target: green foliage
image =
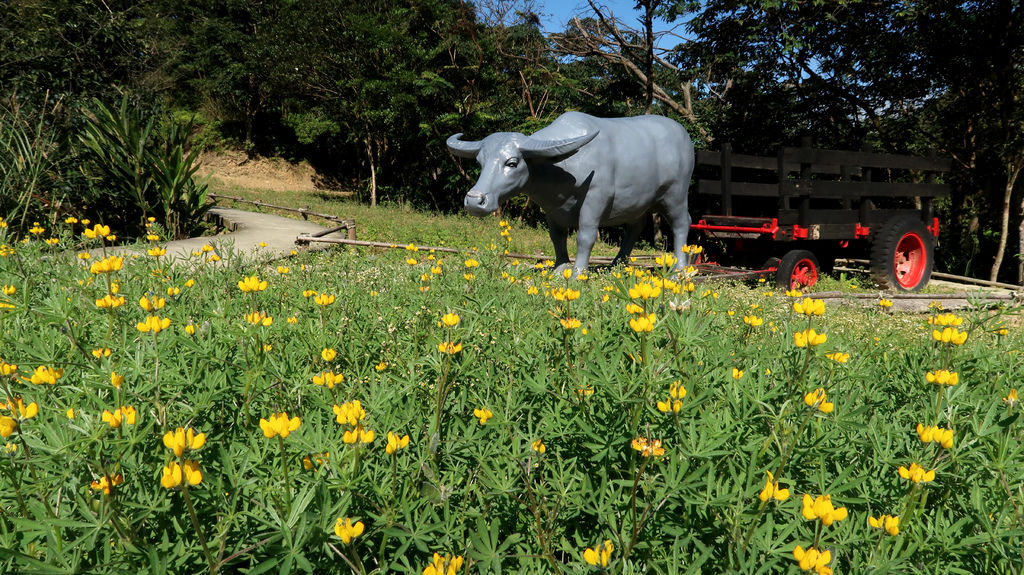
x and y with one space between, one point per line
158 177
28 146
485 491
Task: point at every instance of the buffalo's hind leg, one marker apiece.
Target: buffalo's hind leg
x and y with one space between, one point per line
629 237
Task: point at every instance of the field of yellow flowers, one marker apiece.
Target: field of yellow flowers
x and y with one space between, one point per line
412 412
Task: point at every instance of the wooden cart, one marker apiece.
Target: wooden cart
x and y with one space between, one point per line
797 212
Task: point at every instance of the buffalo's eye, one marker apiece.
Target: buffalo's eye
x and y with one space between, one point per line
512 163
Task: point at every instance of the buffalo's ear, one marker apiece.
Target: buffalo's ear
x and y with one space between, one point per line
463 148
554 149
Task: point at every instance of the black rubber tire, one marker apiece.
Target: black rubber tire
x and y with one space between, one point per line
903 254
797 269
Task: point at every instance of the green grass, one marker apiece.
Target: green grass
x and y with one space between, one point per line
483 492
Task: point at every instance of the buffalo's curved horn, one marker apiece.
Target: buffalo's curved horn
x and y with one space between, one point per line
533 148
463 148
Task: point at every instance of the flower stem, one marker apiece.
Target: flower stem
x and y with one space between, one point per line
197 527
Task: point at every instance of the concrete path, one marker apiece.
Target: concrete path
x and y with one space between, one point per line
246 231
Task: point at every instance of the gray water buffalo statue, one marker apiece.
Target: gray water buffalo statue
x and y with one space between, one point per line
586 172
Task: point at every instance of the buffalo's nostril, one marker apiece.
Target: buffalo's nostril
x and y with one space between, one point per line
479 197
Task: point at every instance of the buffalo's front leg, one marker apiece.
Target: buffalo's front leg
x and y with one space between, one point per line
585 240
559 237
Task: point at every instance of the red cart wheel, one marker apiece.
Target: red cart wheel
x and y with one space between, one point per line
797 269
902 255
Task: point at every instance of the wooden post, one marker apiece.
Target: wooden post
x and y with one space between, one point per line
727 179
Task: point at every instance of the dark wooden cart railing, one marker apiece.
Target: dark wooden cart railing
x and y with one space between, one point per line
831 201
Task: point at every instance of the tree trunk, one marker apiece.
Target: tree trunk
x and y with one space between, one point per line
373 170
1013 168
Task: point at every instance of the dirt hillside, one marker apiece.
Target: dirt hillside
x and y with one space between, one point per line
234 168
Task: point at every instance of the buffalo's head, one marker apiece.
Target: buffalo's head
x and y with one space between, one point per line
504 159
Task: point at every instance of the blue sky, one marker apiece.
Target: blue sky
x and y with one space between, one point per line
555 14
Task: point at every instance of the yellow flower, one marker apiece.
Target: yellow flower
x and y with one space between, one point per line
156 251
97 231
329 379
942 377
676 393
644 291
18 408
45 374
324 299
946 319
633 309
107 483
152 237
1011 398
443 565
666 261
149 304
752 320
358 435
8 290
809 306
942 436
181 440
279 424
838 357
116 379
190 329
173 291
600 555
11 369
328 354
258 318
950 335
471 263
108 301
7 425
395 442
737 373
154 324
190 283
124 415
107 265
569 323
449 347
565 294
884 303
818 400
174 474
351 413
821 508
813 560
71 220
794 293
101 352
890 523
345 529
538 446
381 366
483 414
450 319
292 320
411 261
252 284
643 323
283 270
321 458
772 490
70 413
84 255
916 473
809 337
412 248
648 447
